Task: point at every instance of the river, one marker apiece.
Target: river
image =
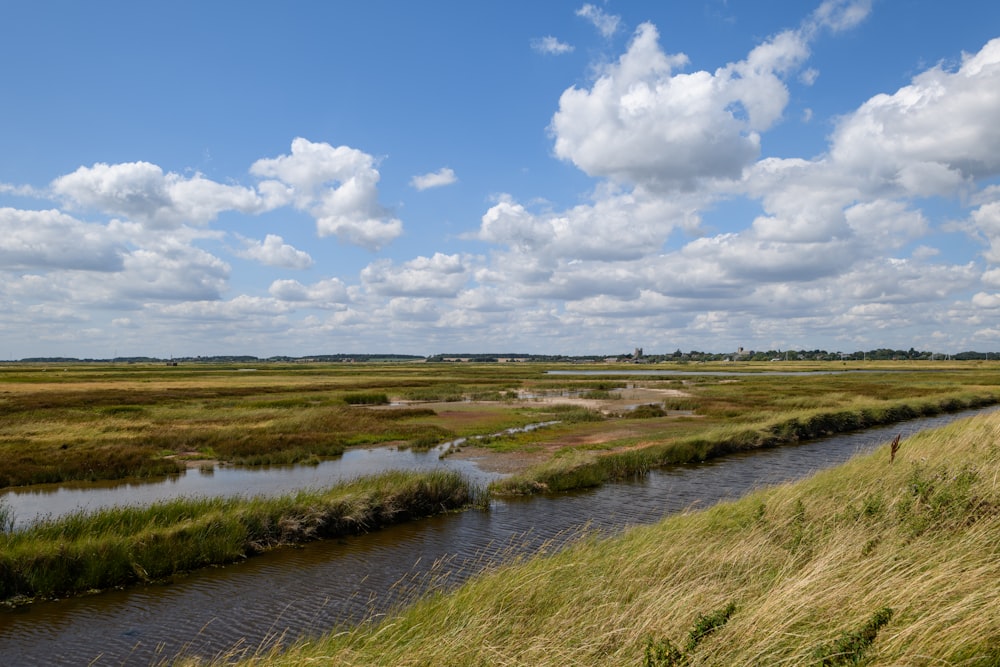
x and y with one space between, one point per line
294 592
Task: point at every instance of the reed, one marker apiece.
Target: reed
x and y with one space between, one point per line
121 546
588 469
868 563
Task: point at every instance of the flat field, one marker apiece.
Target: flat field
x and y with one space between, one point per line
90 421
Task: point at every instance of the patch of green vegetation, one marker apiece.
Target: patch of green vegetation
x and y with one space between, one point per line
367 398
593 470
850 647
121 546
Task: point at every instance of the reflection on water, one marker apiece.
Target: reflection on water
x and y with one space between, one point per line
52 500
296 592
30 504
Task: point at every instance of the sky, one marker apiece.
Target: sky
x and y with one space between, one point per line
209 178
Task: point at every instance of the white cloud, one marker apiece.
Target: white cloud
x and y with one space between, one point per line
404 309
984 223
246 310
840 15
329 293
991 278
178 273
54 240
273 251
606 24
615 227
19 190
436 179
140 191
438 276
643 123
338 187
986 300
549 45
932 135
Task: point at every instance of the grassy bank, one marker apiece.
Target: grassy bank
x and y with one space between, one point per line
576 469
121 546
872 563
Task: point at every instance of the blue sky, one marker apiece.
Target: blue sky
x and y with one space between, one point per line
193 178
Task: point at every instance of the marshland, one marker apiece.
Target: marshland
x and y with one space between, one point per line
82 424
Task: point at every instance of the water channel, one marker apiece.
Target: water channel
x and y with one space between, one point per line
310 590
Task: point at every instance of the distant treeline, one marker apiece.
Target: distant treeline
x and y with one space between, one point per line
235 359
880 354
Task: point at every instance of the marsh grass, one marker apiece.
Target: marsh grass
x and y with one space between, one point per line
122 546
802 574
367 398
93 422
587 469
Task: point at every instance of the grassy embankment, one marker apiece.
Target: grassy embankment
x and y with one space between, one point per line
872 563
121 546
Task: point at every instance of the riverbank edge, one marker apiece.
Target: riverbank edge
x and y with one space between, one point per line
591 469
119 547
876 562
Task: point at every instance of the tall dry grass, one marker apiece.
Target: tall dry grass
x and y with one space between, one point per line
907 555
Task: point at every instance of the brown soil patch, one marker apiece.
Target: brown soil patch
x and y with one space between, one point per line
193 459
515 462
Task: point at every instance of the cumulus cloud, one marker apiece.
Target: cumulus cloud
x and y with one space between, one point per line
178 273
550 45
142 192
931 136
273 251
642 122
405 309
436 179
53 240
438 276
615 227
19 190
984 224
243 309
338 186
330 293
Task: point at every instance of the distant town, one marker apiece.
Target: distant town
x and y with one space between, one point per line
637 356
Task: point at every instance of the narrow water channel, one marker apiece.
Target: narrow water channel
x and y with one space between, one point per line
310 590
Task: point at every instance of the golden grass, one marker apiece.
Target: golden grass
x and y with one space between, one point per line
804 565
